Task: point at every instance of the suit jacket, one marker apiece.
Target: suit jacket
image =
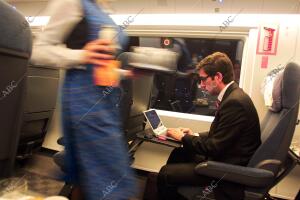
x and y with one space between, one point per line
234 134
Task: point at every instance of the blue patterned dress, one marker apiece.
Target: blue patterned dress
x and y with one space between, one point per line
96 155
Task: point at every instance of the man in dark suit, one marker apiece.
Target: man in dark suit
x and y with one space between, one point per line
233 137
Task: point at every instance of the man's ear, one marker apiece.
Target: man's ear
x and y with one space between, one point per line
219 76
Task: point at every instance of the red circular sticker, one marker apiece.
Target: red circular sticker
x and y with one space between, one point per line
167 42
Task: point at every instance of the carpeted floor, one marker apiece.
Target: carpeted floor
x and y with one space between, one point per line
39 184
43 176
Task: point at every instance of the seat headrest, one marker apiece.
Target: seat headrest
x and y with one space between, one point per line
15 31
290 85
286 86
277 93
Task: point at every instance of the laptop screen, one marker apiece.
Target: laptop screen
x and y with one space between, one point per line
153 118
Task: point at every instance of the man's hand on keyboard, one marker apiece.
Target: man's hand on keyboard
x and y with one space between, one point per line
175 133
186 131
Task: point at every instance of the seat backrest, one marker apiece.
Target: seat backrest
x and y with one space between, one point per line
126 89
40 102
15 51
278 126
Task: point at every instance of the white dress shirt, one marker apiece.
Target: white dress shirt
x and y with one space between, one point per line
220 96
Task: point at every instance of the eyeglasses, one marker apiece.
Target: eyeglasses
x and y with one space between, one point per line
202 79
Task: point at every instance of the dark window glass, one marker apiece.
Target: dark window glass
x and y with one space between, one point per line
180 92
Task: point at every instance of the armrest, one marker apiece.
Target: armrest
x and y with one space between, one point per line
239 174
270 165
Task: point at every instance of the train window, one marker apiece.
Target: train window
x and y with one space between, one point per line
180 92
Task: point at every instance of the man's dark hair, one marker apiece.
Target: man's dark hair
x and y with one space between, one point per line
217 62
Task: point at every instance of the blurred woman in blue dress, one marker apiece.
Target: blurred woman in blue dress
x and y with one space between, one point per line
96 156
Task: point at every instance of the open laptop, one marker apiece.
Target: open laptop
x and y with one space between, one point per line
156 124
